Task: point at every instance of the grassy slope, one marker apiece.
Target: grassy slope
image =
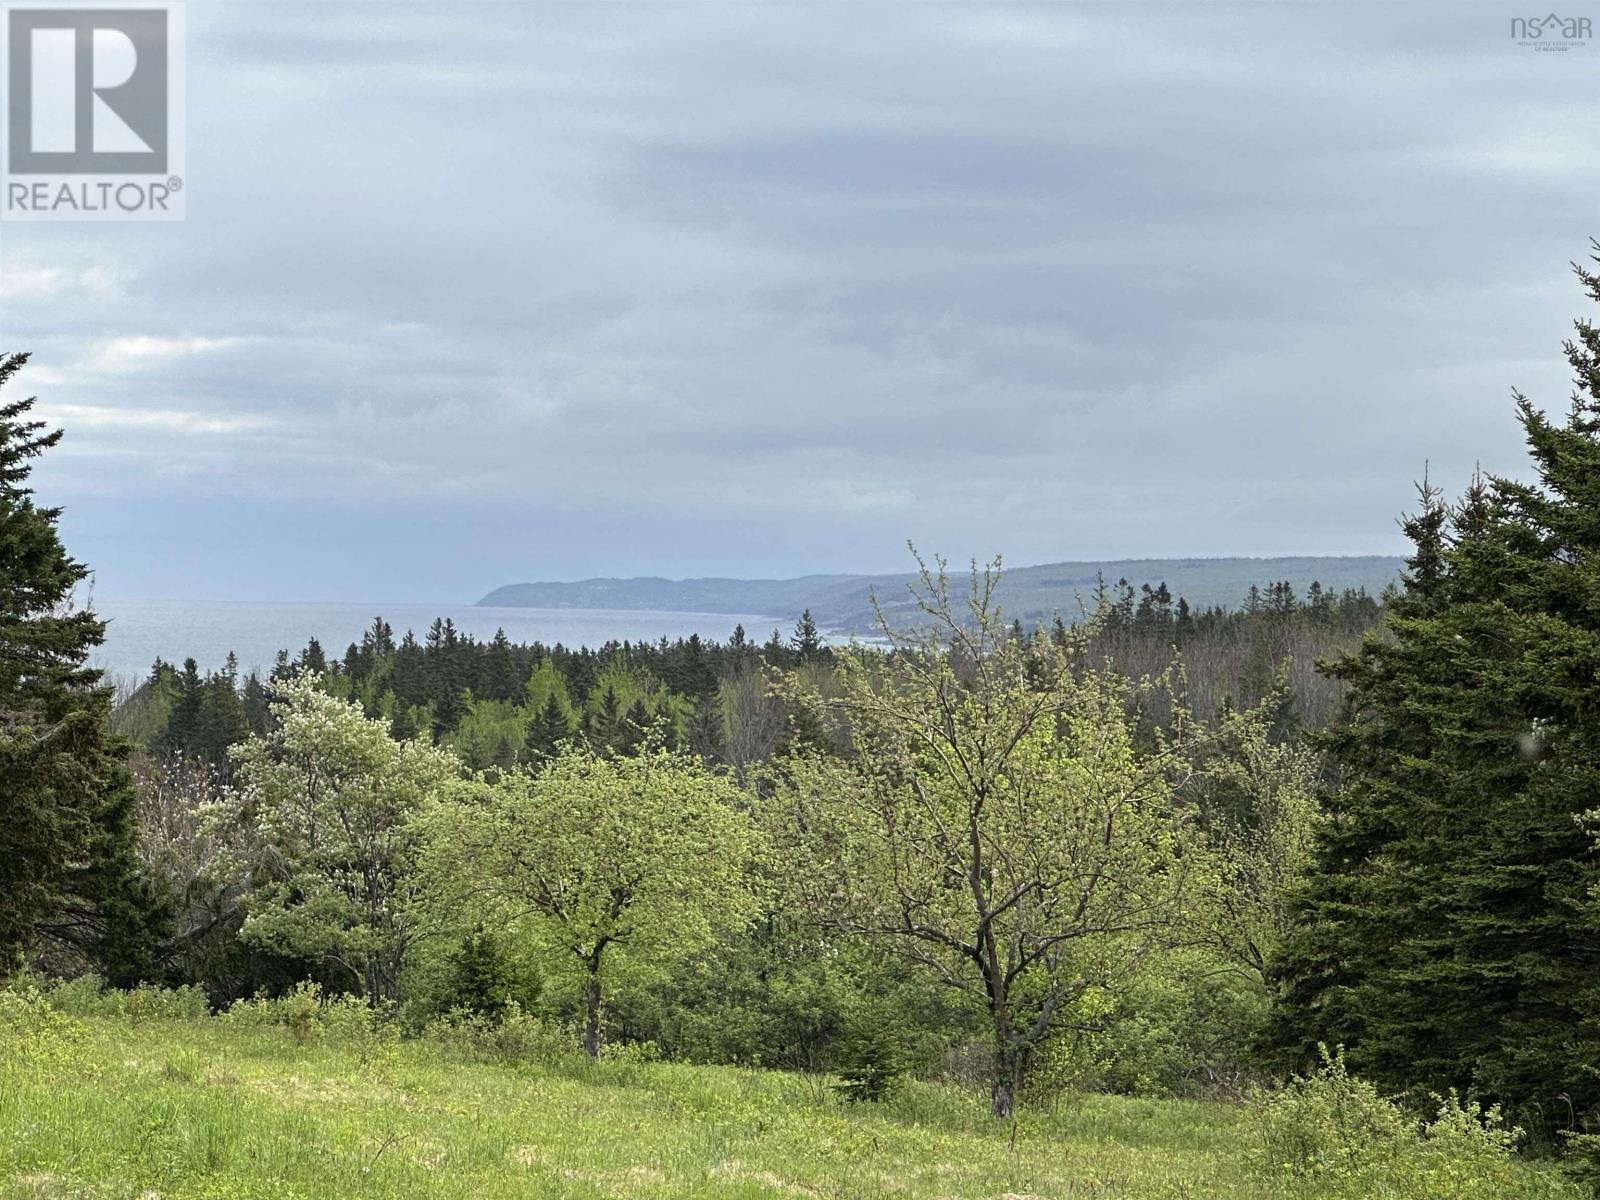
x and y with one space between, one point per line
202 1109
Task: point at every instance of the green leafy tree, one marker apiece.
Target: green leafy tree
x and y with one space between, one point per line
491 734
66 803
1258 802
997 824
596 859
330 801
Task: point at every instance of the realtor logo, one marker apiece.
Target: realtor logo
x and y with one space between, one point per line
94 112
1551 32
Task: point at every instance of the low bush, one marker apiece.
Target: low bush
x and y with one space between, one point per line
1333 1136
514 1036
871 1057
1177 1032
1329 1123
88 996
298 1010
34 1032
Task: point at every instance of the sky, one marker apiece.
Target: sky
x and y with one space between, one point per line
477 293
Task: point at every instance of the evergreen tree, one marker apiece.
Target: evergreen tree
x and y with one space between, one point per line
1447 938
631 733
377 644
222 719
775 652
313 658
1183 623
501 681
706 736
550 726
403 727
183 723
478 977
806 642
601 724
66 801
382 634
410 678
448 710
257 715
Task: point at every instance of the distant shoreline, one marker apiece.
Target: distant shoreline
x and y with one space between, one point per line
1033 593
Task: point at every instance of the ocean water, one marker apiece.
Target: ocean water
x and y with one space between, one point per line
138 632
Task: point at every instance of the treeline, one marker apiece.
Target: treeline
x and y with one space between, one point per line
1271 645
499 704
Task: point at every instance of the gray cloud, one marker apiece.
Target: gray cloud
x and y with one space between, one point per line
503 291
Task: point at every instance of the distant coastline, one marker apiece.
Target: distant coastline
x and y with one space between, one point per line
844 602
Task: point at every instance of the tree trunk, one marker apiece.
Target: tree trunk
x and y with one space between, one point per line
1001 1100
591 1013
1003 1095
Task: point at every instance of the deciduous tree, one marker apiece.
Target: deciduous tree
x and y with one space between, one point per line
595 858
997 823
331 801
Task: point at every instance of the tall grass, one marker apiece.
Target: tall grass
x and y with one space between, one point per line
103 1097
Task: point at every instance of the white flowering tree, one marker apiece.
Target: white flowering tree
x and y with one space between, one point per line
329 803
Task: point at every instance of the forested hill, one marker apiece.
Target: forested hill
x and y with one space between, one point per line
1028 593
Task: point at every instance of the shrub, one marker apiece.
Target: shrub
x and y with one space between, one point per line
147 1002
371 1034
871 1056
1583 1159
1180 1029
298 1010
87 996
1331 1135
32 1031
516 1036
81 997
1329 1123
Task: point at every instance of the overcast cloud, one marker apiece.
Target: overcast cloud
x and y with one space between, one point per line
477 293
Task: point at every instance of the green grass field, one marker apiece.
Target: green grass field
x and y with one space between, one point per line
109 1107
